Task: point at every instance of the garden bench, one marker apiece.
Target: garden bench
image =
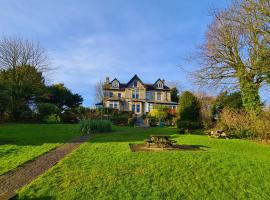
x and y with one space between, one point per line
160 140
148 142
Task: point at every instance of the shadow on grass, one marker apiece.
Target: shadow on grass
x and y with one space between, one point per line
175 147
37 198
137 135
37 134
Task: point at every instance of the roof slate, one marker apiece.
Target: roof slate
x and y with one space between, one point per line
147 85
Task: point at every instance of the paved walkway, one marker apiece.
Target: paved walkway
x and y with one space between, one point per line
23 175
140 123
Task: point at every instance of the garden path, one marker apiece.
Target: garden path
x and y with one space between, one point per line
23 175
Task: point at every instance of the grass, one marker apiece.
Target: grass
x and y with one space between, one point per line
105 168
20 143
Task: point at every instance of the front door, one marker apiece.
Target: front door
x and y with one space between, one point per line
137 108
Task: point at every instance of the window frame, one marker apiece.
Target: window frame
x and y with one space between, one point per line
138 108
158 96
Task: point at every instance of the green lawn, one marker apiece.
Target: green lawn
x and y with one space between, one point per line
105 168
20 143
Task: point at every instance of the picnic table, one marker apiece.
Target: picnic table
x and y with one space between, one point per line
160 140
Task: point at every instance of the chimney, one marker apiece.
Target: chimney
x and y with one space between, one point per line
107 80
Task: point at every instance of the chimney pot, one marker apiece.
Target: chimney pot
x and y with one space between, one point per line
107 80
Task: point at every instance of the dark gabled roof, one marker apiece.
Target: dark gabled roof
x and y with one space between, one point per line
133 78
157 81
152 87
122 86
114 80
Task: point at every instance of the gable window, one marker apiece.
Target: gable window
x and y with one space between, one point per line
160 85
115 84
135 84
159 96
135 94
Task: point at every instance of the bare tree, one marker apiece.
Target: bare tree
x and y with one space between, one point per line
16 51
99 92
236 50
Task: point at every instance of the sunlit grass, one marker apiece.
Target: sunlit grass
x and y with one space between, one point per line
20 143
105 168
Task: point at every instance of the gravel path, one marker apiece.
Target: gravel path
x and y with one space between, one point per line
23 175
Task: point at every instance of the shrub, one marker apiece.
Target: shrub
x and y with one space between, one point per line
69 116
120 120
159 112
236 123
95 126
46 109
188 125
152 121
131 121
261 125
52 119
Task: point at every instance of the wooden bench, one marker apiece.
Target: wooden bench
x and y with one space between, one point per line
148 142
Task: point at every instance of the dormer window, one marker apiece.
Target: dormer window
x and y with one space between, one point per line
160 84
115 84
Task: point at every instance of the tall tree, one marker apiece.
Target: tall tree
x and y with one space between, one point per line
236 50
189 107
26 87
22 63
174 94
62 97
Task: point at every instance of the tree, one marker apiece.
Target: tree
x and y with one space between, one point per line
227 100
62 97
236 50
99 92
16 51
22 89
22 63
189 107
4 101
174 94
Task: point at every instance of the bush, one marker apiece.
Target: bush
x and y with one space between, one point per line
238 123
188 125
46 109
95 126
159 112
261 125
131 121
52 119
120 120
152 121
69 116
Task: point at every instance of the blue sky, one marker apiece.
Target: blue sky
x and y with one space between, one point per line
89 40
